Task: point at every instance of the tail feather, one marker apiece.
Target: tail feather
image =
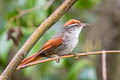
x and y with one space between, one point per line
33 58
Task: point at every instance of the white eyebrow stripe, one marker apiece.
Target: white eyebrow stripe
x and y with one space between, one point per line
73 24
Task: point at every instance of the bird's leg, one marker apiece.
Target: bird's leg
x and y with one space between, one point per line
76 56
57 58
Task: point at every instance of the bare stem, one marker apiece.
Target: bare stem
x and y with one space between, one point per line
49 3
67 56
26 11
57 14
23 12
104 68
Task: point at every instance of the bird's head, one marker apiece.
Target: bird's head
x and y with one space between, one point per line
74 26
75 23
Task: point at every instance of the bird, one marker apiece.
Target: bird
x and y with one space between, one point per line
61 43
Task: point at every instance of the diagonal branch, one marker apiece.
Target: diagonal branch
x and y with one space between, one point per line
67 56
26 11
49 3
23 12
57 14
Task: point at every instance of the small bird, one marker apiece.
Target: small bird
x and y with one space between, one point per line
61 43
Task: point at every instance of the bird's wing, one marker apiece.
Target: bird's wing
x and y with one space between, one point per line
51 45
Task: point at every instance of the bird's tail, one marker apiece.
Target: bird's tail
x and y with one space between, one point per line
31 59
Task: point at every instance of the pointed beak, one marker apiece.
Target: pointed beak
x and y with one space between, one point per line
85 24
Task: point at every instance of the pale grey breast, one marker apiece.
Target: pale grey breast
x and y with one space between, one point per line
70 41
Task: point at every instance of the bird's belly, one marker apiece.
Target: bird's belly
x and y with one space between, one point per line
71 45
68 46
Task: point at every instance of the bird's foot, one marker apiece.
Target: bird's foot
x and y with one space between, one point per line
57 58
76 56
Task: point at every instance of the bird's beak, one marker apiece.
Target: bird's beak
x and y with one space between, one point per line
85 24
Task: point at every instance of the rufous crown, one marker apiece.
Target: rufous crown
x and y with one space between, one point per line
72 21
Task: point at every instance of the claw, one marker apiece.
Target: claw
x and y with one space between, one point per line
76 56
57 58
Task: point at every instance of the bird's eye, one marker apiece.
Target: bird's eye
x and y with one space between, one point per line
73 25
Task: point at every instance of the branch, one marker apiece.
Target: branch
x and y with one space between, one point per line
57 14
23 12
104 67
49 3
67 56
30 10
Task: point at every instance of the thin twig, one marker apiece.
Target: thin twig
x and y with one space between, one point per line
23 12
104 68
57 14
20 14
67 56
49 3
26 11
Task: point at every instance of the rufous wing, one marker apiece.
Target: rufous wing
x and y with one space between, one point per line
49 46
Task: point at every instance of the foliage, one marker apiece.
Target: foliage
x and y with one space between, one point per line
70 68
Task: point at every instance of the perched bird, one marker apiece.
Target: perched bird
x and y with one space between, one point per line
60 44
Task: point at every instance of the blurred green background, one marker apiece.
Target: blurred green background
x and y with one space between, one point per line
20 18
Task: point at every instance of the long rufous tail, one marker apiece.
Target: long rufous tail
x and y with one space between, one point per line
33 58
